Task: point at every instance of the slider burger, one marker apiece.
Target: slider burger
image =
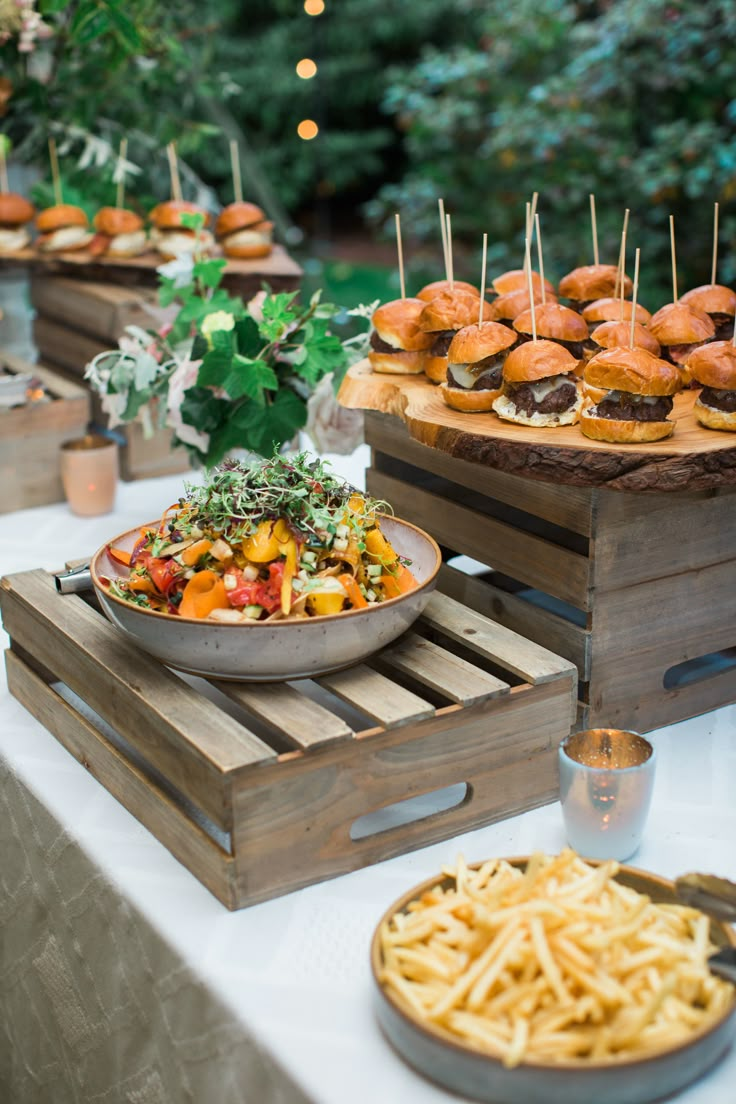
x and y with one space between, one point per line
555 323
243 231
717 301
680 329
633 392
119 233
507 307
169 235
539 386
475 362
614 310
583 285
516 278
15 212
612 335
431 291
398 346
714 367
62 228
440 320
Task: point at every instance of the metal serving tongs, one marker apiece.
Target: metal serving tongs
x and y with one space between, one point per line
716 897
74 581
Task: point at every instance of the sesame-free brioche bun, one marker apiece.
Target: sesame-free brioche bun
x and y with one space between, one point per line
397 364
396 323
614 310
470 402
15 210
714 419
451 310
591 282
711 298
536 360
431 291
506 409
60 215
236 216
616 335
554 322
167 215
474 343
516 279
116 220
634 370
714 365
681 324
620 431
508 307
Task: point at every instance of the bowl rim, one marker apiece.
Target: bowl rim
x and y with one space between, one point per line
320 619
566 1065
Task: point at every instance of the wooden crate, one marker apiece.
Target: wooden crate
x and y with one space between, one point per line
31 436
258 790
638 590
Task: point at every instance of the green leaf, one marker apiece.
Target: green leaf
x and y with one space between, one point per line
223 341
251 378
168 292
214 369
278 422
247 338
192 220
210 272
200 348
324 351
203 410
277 315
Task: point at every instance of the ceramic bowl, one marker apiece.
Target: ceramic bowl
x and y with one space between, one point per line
478 1076
272 651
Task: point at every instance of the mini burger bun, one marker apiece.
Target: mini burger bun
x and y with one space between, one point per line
508 307
116 220
681 324
237 216
553 321
614 310
60 215
623 431
397 364
252 250
711 298
396 323
714 419
473 343
516 279
470 402
613 335
714 365
167 215
435 368
633 370
536 360
15 210
451 310
431 291
592 282
506 409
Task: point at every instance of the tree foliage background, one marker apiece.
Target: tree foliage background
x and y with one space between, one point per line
478 101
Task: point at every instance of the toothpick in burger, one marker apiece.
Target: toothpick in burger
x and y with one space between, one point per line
62 228
475 363
431 291
243 231
555 323
398 346
440 320
719 302
119 233
680 329
633 392
15 213
713 367
583 285
171 237
539 386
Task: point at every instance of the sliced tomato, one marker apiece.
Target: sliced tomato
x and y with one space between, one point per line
164 574
266 593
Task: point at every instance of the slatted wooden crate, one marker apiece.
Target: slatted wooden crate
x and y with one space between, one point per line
638 590
259 790
31 436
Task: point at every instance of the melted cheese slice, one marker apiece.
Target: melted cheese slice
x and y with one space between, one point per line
464 375
65 237
13 240
248 237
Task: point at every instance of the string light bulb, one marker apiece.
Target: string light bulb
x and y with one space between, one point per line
307 129
306 68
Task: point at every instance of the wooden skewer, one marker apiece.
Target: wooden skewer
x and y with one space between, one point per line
621 259
531 290
622 272
633 299
120 192
594 228
401 255
674 259
715 244
4 187
443 231
450 269
539 254
235 167
527 234
174 171
55 175
483 281
531 210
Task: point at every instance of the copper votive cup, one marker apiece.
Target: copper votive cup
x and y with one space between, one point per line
606 782
89 474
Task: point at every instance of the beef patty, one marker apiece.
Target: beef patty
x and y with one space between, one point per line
626 407
488 374
554 402
721 400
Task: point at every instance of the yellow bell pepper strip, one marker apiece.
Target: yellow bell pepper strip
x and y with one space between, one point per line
204 593
324 603
378 548
400 583
291 553
355 596
195 551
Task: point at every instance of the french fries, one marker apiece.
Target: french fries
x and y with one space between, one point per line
558 962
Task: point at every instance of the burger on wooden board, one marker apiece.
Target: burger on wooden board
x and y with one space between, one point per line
118 233
680 329
475 363
612 335
633 392
15 214
62 228
243 231
555 322
609 309
440 320
398 345
539 386
516 278
717 301
589 282
171 237
431 291
506 308
713 367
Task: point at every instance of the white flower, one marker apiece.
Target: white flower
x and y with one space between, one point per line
180 270
255 306
332 427
184 377
217 322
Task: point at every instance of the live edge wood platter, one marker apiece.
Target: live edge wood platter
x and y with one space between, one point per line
259 790
638 590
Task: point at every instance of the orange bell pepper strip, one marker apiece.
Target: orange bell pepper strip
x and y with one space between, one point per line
141 584
204 593
355 596
119 555
266 543
378 548
195 551
400 583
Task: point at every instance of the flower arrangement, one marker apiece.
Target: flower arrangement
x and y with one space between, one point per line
223 374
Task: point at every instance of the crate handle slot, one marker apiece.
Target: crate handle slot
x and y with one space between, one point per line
699 669
410 810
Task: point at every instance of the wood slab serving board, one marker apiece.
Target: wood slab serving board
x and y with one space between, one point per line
693 458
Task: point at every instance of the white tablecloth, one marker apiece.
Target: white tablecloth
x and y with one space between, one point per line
123 980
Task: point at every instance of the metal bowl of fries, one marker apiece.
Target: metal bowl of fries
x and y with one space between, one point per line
550 980
271 651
